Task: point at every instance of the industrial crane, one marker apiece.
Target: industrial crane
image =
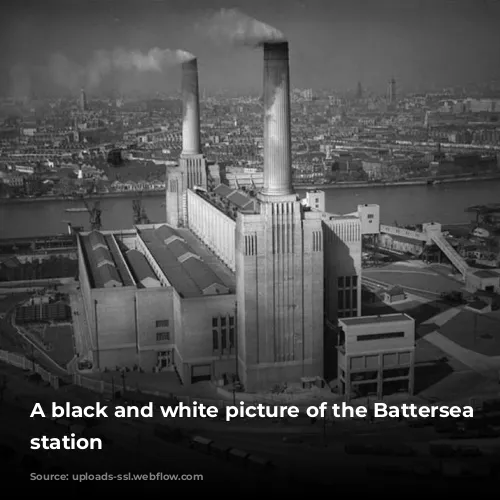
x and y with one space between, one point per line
94 209
95 212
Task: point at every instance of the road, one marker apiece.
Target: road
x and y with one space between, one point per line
80 328
9 338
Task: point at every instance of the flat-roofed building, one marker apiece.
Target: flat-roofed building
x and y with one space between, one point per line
156 298
376 354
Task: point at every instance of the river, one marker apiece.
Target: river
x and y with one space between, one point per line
444 203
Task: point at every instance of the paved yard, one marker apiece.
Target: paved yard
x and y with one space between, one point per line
423 279
477 332
60 338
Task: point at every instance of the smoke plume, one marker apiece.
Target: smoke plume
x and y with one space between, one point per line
71 76
235 27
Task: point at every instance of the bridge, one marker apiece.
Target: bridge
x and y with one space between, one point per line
431 233
406 233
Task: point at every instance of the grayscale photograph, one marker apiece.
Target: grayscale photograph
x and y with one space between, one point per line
254 244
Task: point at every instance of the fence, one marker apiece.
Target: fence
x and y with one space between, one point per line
21 362
107 389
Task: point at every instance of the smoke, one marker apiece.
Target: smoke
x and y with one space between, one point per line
20 81
235 27
103 65
64 73
155 60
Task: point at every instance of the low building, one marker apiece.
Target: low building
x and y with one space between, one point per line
485 280
394 294
376 355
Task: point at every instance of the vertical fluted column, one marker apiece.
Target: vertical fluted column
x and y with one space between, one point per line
277 141
191 109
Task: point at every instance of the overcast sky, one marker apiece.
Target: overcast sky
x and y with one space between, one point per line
333 43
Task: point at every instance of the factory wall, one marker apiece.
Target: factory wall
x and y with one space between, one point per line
115 324
342 267
369 216
155 323
211 226
280 296
134 325
196 345
313 289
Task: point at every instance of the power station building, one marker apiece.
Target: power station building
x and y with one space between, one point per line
235 282
156 298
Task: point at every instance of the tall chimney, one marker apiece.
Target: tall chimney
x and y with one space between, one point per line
191 109
277 140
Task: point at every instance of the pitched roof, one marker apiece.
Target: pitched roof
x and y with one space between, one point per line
139 266
183 268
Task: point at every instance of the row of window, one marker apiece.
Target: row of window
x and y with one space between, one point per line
380 336
347 282
223 333
222 321
223 339
347 299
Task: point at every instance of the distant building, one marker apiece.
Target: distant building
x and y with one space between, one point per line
83 101
394 294
391 91
359 91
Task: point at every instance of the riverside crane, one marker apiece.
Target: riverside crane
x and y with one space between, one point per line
94 209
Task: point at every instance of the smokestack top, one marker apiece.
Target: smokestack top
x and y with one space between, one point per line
275 51
190 64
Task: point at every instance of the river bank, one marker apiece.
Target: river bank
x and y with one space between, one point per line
412 204
123 194
305 187
413 182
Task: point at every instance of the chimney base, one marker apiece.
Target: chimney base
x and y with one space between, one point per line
277 198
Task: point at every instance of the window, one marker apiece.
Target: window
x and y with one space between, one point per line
380 336
354 281
370 216
163 323
223 333
340 300
162 336
347 281
340 282
347 300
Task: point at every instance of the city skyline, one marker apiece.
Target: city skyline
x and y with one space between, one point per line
332 44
